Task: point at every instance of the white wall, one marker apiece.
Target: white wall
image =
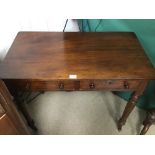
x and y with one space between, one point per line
26 15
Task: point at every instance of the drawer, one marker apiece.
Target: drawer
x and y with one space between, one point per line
70 85
33 85
109 84
53 85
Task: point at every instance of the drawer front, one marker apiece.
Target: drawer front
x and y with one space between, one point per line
46 85
52 85
70 85
124 85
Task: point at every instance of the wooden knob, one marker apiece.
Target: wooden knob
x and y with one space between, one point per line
109 81
126 85
61 85
92 85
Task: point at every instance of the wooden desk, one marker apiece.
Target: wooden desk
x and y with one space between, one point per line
46 61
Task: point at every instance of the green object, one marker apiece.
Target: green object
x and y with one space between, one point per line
145 31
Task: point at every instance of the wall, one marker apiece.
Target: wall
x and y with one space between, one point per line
26 15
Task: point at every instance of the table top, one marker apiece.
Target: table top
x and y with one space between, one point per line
76 55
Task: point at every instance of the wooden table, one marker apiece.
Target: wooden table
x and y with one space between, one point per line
47 61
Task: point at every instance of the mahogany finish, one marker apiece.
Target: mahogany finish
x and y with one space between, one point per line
117 85
55 55
44 61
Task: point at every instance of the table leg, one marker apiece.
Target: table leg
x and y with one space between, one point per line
149 120
22 106
27 115
129 107
131 104
145 129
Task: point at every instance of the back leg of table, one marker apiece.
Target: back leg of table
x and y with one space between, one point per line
145 129
22 106
149 120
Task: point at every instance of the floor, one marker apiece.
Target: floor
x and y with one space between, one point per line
83 113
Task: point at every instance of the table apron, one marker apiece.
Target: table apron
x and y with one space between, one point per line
75 85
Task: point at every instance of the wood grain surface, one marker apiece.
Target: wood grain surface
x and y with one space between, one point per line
56 55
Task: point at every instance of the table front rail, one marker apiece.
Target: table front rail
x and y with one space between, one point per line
75 85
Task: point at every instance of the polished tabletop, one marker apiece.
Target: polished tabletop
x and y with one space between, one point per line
76 55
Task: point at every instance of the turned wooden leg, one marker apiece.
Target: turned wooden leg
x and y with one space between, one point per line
131 103
149 120
129 107
145 129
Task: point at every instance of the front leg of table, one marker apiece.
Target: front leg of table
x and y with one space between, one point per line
131 104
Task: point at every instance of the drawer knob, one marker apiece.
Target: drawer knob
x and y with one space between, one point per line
92 85
126 85
61 86
109 81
